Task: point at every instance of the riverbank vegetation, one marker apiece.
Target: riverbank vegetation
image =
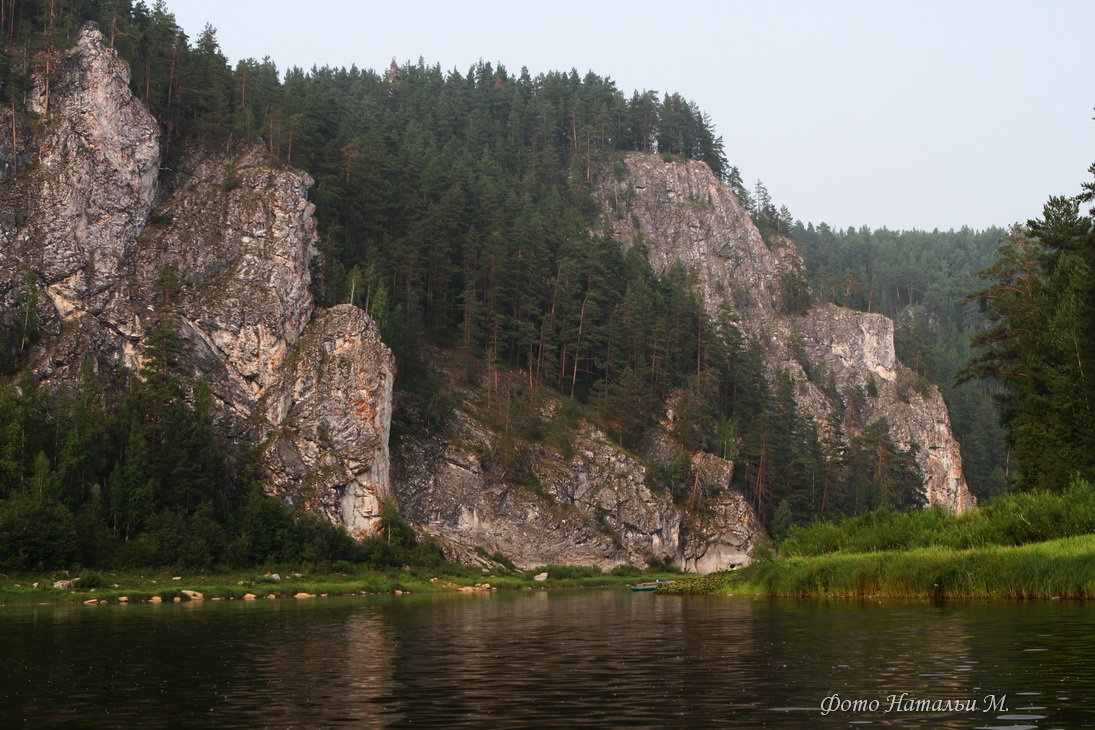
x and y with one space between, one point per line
1027 545
1062 568
1014 519
304 581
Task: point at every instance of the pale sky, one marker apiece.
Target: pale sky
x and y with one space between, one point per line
919 114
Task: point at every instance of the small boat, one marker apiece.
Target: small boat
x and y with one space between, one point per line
649 586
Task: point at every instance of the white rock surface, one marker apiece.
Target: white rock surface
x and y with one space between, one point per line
241 236
684 215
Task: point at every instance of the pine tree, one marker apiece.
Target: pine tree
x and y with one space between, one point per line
1038 344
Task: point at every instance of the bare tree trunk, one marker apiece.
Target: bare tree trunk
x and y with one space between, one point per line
14 141
578 343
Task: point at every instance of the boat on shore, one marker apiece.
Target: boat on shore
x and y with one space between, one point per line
649 586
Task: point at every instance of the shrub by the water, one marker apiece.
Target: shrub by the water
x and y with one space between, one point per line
89 579
564 572
626 571
36 533
1031 545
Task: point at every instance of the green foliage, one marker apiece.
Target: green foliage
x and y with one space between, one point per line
89 579
395 545
1030 517
1038 346
172 537
564 572
19 329
880 475
782 521
1054 569
496 557
321 541
626 571
231 179
36 533
720 581
394 529
794 292
660 565
669 476
1015 519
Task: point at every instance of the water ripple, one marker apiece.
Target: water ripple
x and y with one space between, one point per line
582 658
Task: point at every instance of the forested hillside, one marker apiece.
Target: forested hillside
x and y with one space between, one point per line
921 279
456 207
453 207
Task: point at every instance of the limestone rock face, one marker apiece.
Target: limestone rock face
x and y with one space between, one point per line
238 236
722 535
330 408
855 354
839 359
588 504
98 165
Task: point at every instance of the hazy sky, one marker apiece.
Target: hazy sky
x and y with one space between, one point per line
915 114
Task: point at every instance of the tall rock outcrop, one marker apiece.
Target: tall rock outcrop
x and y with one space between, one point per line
840 360
329 411
486 495
96 177
238 236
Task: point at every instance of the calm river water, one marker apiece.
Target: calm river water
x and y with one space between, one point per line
604 658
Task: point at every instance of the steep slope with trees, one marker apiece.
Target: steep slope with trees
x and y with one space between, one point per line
834 373
459 210
920 279
195 313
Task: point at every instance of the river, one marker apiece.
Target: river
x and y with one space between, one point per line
594 658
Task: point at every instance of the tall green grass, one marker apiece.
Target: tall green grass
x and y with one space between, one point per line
1063 568
1018 546
1016 519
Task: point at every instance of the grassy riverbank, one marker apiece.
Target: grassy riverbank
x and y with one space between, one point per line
1029 545
1063 568
159 586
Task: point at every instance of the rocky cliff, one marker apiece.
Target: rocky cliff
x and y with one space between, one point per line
840 360
577 498
101 231
90 220
92 223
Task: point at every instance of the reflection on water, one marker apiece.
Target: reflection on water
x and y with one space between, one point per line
541 659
